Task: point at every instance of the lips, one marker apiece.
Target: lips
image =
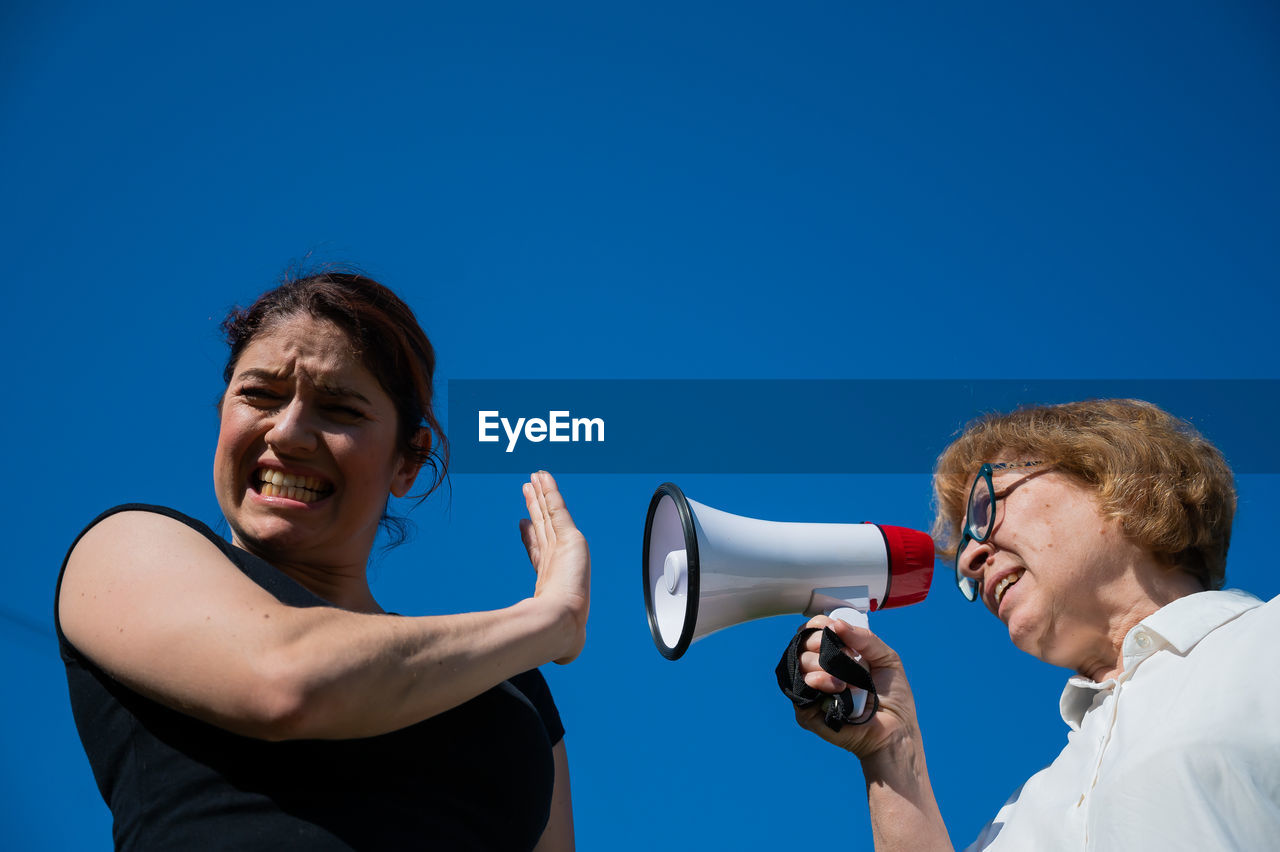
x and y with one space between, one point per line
270 482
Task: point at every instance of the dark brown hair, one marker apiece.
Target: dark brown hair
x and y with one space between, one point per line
1171 489
385 336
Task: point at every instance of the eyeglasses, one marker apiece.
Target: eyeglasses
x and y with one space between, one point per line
980 517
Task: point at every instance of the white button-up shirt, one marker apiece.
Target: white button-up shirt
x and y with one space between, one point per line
1181 751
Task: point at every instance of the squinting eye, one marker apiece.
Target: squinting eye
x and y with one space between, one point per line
258 396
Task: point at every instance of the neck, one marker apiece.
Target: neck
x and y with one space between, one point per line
345 585
341 587
1158 588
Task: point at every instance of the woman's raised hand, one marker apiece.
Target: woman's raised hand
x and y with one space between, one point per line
559 554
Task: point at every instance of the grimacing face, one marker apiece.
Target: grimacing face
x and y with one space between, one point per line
307 448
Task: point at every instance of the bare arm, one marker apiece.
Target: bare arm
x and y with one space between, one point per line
161 609
558 835
904 813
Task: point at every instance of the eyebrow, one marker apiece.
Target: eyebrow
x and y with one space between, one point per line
342 391
329 389
1001 494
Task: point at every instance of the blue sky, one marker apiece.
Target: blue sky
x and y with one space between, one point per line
573 190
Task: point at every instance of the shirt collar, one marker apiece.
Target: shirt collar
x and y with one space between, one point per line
1177 626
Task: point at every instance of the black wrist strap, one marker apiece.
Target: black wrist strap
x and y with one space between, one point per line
831 656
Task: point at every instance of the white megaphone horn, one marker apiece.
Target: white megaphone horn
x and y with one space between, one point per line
705 569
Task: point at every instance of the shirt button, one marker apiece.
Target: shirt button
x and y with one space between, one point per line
1143 639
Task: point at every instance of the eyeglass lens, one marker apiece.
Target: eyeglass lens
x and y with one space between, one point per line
981 503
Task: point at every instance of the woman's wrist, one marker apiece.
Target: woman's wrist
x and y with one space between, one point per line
550 628
900 756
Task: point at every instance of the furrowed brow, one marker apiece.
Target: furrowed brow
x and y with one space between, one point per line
341 391
259 373
326 388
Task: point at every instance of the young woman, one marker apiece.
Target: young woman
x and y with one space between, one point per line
253 694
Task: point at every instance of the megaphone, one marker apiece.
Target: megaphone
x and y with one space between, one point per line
705 569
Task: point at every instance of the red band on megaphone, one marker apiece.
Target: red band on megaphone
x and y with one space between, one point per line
910 565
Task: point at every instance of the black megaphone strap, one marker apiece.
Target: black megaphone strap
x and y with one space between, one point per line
833 660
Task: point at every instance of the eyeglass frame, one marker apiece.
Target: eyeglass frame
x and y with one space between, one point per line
968 586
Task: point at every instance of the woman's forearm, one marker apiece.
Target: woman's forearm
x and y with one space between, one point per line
904 813
337 675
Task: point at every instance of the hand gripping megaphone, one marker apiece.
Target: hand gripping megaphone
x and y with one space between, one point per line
705 569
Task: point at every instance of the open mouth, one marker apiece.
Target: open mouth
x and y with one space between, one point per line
304 489
1004 585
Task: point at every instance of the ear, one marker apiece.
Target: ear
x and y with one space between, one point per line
407 469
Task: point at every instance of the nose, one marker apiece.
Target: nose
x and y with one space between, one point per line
292 432
972 560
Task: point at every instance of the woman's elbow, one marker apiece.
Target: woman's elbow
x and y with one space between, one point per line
278 702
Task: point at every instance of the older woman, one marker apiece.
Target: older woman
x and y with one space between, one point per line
1096 532
254 694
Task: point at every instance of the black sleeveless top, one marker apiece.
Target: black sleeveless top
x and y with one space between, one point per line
478 776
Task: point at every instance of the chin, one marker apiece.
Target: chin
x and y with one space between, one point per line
1025 638
272 535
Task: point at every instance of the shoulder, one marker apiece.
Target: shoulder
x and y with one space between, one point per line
128 518
129 559
132 536
124 535
1246 615
1206 620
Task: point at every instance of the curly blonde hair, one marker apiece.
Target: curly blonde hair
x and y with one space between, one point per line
1170 489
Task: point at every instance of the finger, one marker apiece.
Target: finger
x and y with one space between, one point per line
531 500
557 511
537 520
810 661
816 676
811 649
824 682
813 719
530 539
819 622
540 488
813 642
865 644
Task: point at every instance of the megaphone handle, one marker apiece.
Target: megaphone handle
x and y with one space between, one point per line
856 618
